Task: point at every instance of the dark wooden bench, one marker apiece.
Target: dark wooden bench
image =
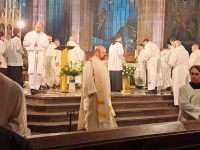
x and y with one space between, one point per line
173 135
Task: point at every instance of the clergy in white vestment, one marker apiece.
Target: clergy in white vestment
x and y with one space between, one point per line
13 106
115 60
166 69
152 58
189 97
96 111
179 62
36 42
49 54
195 55
56 64
140 72
3 55
15 60
75 56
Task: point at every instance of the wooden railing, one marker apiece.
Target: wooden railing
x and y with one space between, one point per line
174 135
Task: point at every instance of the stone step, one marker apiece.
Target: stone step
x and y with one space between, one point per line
53 99
62 116
49 127
61 107
131 121
142 104
146 111
63 126
48 112
64 107
72 104
51 117
142 98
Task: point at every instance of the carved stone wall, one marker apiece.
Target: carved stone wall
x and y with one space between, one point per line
182 21
9 16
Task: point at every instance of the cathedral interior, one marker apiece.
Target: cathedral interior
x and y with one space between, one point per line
145 121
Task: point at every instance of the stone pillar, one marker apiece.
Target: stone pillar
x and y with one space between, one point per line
158 23
39 11
86 24
75 19
151 17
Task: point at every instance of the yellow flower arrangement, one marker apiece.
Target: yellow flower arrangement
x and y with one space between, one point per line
128 70
72 69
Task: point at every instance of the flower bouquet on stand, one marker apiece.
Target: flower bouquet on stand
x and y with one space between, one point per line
127 74
72 70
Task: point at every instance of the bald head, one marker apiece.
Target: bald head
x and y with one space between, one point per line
195 47
38 27
100 52
72 39
57 42
177 43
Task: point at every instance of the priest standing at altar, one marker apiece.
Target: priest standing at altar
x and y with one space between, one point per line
152 58
179 62
48 68
115 60
96 109
75 55
56 64
195 55
166 70
35 42
140 72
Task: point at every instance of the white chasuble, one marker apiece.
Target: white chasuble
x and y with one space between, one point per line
96 111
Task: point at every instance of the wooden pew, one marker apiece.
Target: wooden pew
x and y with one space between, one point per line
173 135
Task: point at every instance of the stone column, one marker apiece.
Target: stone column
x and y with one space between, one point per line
151 17
86 24
39 11
75 19
158 23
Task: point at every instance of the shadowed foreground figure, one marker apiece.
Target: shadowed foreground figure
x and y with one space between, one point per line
12 106
12 141
96 110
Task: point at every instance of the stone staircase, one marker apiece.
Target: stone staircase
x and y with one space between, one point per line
49 114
